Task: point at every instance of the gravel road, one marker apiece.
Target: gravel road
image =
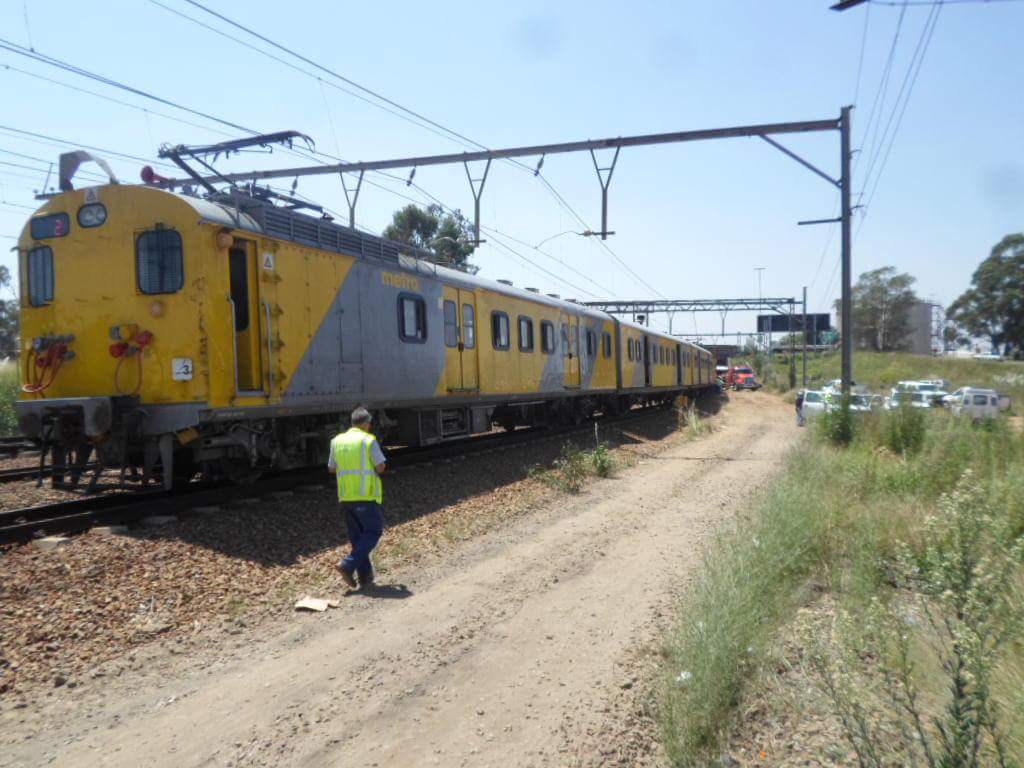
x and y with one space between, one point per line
531 645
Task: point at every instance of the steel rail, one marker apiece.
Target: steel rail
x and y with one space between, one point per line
125 507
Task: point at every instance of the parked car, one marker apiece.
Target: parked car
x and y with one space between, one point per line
912 399
862 403
815 403
933 389
977 403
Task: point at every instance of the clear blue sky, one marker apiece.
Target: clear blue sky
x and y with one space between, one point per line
692 220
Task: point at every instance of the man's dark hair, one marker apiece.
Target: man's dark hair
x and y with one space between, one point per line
361 417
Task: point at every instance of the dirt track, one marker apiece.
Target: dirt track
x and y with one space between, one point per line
525 646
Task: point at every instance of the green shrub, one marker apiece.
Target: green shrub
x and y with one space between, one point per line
602 462
9 389
837 424
905 430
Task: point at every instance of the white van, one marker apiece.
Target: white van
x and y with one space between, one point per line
977 403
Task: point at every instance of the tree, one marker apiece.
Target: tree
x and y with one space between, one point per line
882 300
10 317
448 235
994 304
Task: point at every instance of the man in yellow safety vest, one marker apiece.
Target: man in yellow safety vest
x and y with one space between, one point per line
357 461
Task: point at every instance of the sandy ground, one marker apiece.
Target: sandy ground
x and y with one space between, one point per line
531 645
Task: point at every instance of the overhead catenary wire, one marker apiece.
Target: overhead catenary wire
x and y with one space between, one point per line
915 65
86 91
425 122
111 82
878 103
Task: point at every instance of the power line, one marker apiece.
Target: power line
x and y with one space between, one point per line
74 69
331 72
55 62
548 255
860 59
878 104
932 13
63 142
111 99
919 54
429 123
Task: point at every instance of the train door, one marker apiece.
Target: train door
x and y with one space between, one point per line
244 297
679 364
571 349
461 362
647 361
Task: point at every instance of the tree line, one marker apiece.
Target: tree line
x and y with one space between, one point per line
991 308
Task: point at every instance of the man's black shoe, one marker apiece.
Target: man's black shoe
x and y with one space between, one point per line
347 577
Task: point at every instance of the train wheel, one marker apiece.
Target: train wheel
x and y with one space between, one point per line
240 472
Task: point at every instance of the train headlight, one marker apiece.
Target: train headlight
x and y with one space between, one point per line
92 215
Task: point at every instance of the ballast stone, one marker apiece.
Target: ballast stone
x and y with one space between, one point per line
109 530
50 542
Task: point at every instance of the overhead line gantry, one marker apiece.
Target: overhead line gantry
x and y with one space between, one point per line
763 131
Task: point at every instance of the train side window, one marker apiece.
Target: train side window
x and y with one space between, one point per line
451 324
412 318
468 326
158 261
565 340
499 330
525 334
547 337
591 344
629 349
40 276
606 344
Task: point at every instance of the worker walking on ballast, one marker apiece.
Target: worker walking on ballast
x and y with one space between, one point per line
357 461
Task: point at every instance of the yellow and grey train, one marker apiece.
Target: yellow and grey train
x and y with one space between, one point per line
172 334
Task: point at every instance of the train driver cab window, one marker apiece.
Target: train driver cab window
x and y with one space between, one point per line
158 262
606 344
547 337
591 344
468 326
629 349
525 334
499 330
451 324
40 276
412 318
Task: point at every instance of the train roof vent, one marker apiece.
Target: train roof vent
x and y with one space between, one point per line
554 296
505 282
533 290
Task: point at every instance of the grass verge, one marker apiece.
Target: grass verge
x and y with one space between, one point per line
9 388
840 519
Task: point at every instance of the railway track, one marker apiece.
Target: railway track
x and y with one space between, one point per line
77 515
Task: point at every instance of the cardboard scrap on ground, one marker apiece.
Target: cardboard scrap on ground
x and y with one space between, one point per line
318 604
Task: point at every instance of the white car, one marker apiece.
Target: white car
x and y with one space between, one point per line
913 399
815 403
977 403
860 403
934 389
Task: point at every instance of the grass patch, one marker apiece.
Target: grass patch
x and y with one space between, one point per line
574 467
10 386
841 520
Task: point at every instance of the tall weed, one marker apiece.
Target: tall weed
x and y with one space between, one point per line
841 518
